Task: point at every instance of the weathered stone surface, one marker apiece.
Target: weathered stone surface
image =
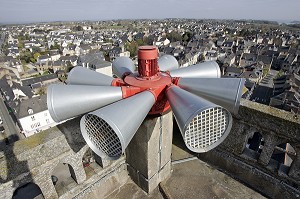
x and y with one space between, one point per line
283 124
149 151
34 159
195 179
149 157
276 127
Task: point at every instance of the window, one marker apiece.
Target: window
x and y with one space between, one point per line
30 111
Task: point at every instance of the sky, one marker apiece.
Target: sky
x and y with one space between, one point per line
24 11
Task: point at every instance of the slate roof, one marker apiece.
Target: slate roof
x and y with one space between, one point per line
91 56
37 104
29 82
264 58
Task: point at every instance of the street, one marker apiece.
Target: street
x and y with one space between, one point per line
8 123
2 41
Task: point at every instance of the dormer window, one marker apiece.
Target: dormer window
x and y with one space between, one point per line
30 111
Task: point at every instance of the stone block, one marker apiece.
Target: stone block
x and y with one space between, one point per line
150 150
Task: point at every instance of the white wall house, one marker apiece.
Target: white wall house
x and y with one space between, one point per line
34 116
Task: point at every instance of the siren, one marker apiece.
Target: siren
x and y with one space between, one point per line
203 124
225 92
167 63
208 69
114 108
109 130
84 76
122 66
67 101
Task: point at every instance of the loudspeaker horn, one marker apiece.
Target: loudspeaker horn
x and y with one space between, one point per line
225 92
209 69
203 124
67 101
109 130
122 65
84 76
167 63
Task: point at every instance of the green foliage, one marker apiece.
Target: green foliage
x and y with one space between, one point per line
41 91
32 60
132 47
174 36
26 57
187 36
246 33
77 28
36 49
55 46
46 72
265 71
36 55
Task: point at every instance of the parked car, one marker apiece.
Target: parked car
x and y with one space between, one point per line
2 130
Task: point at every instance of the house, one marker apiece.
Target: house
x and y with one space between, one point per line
54 55
42 81
33 115
43 59
289 61
95 61
101 66
286 91
233 71
220 41
227 45
13 53
162 42
248 59
229 60
83 60
211 55
118 52
57 66
69 60
85 49
252 75
69 50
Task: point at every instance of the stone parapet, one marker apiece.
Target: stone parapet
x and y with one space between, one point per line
258 168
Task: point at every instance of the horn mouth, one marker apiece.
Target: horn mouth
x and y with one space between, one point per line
207 129
101 137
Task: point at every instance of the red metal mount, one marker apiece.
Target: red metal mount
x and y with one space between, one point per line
150 78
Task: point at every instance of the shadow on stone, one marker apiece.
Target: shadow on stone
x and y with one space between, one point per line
71 130
11 168
178 140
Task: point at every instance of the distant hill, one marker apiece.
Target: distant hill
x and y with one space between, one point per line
295 22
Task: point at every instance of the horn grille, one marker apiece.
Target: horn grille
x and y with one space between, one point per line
206 128
102 136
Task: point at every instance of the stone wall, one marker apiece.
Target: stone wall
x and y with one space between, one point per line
257 168
33 160
148 157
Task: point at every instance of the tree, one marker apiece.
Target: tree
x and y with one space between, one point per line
77 28
41 91
55 46
187 36
132 47
36 55
174 36
36 49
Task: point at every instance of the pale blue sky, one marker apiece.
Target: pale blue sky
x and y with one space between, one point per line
19 11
